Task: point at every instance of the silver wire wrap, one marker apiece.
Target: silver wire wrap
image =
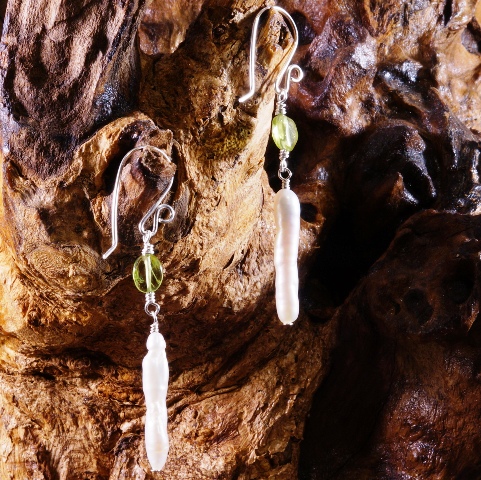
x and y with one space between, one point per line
284 173
150 300
152 308
281 104
148 248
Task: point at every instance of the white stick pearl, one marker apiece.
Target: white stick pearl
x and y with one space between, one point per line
155 380
287 211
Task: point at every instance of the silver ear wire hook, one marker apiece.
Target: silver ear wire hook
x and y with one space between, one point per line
294 72
155 211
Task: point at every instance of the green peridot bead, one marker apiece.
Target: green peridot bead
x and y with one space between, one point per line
284 132
148 273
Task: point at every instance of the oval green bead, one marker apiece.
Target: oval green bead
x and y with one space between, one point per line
148 273
284 132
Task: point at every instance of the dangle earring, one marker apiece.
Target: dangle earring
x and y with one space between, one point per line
148 275
286 204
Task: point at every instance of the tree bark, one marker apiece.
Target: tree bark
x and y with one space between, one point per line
379 376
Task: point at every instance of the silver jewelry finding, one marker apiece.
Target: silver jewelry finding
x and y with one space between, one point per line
155 211
294 72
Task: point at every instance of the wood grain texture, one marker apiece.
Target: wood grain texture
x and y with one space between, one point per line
387 173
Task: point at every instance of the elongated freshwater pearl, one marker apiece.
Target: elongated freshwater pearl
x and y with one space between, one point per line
155 379
287 212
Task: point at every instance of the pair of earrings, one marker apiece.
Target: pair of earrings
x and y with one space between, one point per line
148 271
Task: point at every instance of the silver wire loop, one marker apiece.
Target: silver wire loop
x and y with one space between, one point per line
285 174
293 72
151 302
155 211
153 313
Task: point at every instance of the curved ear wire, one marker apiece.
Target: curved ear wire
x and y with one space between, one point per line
154 211
294 72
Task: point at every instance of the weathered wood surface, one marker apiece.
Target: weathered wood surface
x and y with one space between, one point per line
386 169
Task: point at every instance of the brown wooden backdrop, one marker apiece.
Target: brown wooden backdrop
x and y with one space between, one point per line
380 376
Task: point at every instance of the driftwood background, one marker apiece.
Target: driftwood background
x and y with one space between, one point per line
380 376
